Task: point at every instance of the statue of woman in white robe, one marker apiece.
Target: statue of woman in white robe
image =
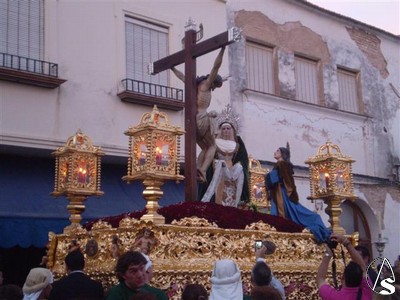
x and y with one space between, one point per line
229 173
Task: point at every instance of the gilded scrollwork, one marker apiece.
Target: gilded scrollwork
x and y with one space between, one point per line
186 251
260 225
100 225
128 222
194 222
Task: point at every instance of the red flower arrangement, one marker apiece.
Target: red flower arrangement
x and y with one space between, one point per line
224 216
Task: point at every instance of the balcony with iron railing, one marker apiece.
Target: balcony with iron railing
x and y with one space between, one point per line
149 94
29 71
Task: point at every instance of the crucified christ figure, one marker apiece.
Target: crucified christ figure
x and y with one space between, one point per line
205 136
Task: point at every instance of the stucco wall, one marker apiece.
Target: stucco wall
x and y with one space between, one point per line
87 40
370 137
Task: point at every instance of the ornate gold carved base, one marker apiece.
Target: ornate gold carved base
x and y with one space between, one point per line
334 211
75 208
152 194
186 251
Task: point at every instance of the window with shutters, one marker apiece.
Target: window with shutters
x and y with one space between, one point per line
307 80
22 28
145 43
22 44
260 71
349 95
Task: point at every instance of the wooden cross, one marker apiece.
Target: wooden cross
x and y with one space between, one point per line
188 56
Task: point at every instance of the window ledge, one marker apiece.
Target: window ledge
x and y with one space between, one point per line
149 100
28 78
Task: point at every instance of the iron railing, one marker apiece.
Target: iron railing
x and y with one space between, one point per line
26 64
152 89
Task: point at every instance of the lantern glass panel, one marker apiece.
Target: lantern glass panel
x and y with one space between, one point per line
340 179
63 172
142 154
323 179
257 190
162 154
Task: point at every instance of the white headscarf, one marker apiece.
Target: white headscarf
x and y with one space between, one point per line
36 281
226 282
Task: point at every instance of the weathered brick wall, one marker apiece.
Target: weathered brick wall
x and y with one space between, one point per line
370 45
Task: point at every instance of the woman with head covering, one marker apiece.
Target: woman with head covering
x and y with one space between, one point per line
37 285
226 282
285 200
229 181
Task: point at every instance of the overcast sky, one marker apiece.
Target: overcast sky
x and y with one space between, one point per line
384 14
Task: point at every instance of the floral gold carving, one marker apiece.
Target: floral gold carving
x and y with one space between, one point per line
186 251
194 222
261 226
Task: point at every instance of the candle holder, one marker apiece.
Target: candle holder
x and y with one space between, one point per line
331 180
77 175
154 150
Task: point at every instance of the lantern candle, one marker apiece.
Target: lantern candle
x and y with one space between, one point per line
326 180
82 175
158 156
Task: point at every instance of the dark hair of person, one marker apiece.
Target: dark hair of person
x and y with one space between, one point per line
265 292
217 82
364 251
194 292
353 274
75 260
11 292
126 260
285 152
261 274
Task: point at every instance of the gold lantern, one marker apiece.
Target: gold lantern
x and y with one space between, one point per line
331 180
77 174
258 193
154 150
